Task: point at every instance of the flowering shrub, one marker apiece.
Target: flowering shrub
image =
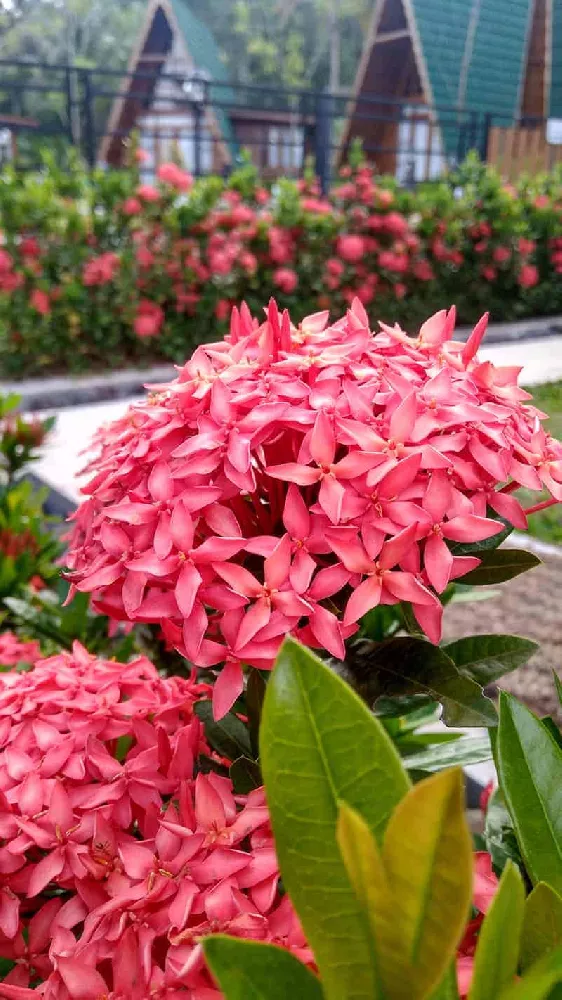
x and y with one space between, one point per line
101 269
118 853
292 479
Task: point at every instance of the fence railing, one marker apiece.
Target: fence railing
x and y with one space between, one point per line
210 123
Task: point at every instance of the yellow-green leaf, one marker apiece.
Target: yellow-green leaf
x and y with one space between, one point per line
364 865
251 970
542 982
542 924
427 856
495 964
320 745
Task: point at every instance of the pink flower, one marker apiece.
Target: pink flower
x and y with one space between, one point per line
351 248
149 319
170 173
526 247
292 477
528 276
118 854
100 270
39 300
147 192
286 279
222 309
501 255
131 206
14 651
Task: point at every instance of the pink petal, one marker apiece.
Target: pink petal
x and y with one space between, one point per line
508 507
438 562
239 451
429 617
346 545
330 498
405 587
394 550
296 517
403 419
60 810
137 860
45 871
276 566
182 527
495 463
149 563
256 617
189 581
227 688
133 591
355 464
81 981
470 528
475 339
292 472
400 477
114 539
160 482
327 631
163 536
221 410
322 440
216 549
301 571
238 578
366 597
101 578
328 582
438 496
209 809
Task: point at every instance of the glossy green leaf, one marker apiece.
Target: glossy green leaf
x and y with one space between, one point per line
499 835
467 750
542 982
497 954
409 665
228 736
542 926
251 970
485 658
245 775
255 694
487 544
530 772
499 565
320 745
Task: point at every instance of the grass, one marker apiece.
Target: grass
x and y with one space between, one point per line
546 524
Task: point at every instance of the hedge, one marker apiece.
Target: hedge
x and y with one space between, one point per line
98 269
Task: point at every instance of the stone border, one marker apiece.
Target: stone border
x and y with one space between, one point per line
59 392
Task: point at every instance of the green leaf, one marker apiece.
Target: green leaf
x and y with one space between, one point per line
251 970
228 736
539 982
497 954
542 926
411 665
530 773
499 835
320 745
499 565
485 658
447 989
467 750
255 694
245 775
427 858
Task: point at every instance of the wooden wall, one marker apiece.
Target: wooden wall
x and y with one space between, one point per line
514 151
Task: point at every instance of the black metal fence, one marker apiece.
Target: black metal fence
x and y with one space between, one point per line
211 123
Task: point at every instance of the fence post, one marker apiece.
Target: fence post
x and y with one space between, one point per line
69 104
485 139
88 112
198 114
322 140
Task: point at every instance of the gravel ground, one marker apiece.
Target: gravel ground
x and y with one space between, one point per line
529 605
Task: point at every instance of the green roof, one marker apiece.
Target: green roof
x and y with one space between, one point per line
205 53
555 103
474 53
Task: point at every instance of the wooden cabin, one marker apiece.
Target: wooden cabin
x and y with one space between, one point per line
453 75
178 96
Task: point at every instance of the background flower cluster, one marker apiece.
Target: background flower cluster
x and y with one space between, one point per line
102 268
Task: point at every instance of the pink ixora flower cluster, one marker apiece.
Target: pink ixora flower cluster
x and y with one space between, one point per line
292 478
118 854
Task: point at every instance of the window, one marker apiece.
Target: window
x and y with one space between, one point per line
285 147
420 154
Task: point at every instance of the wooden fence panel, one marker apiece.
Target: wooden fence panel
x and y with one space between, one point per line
514 151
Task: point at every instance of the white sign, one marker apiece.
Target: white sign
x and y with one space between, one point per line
554 131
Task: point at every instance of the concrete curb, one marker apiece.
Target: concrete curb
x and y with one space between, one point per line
60 392
544 550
